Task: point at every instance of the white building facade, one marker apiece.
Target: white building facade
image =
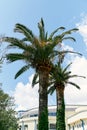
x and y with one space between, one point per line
78 121
75 117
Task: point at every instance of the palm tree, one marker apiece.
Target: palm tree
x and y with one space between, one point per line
59 78
38 53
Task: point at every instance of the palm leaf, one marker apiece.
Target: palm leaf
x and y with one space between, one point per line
72 76
22 70
46 36
26 31
51 90
69 38
15 42
34 81
59 38
52 34
14 57
65 69
41 30
65 52
69 32
77 86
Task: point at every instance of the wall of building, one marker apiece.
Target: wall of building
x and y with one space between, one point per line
75 116
78 121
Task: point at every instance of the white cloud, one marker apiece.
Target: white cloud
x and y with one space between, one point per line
66 47
71 55
25 96
72 94
82 25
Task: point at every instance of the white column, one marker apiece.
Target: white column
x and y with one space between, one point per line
22 128
35 125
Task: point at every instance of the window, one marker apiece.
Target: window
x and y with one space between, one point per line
52 126
34 115
20 127
52 114
25 127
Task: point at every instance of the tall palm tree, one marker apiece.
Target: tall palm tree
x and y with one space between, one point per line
59 78
38 53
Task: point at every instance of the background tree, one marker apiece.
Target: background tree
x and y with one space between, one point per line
8 120
38 53
59 78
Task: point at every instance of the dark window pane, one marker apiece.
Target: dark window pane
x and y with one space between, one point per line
52 126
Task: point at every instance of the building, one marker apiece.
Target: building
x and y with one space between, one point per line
78 121
75 117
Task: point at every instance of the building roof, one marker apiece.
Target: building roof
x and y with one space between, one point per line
34 111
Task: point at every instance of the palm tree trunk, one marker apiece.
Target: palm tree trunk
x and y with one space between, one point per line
43 100
60 118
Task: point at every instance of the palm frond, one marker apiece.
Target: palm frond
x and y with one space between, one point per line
59 38
69 38
69 32
60 76
24 39
51 90
65 52
35 81
41 30
61 54
55 31
77 86
46 36
22 70
73 76
14 42
14 57
48 50
26 31
65 69
54 54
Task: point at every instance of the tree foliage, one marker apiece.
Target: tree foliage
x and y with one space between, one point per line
8 120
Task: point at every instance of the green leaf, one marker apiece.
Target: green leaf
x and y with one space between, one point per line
65 69
11 57
34 81
22 70
55 31
26 31
74 84
15 43
69 32
51 90
69 38
42 35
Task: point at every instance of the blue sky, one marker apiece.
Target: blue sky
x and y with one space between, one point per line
67 13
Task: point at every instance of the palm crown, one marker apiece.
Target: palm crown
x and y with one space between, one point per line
60 77
37 52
